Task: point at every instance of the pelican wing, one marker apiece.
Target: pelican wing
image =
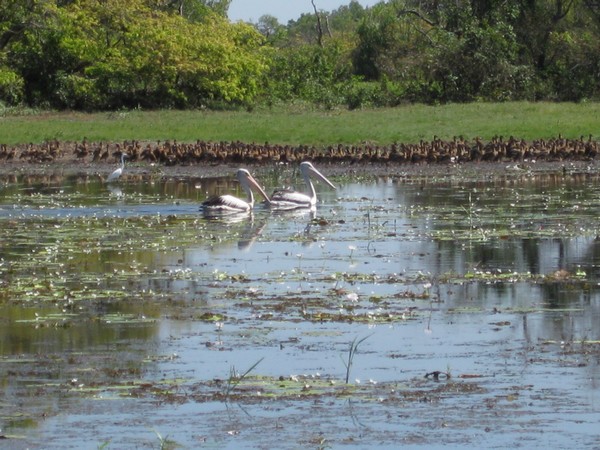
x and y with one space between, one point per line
288 199
226 203
279 193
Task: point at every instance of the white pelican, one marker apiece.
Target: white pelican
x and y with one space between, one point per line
286 199
231 204
119 171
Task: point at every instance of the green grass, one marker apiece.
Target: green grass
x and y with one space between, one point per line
406 124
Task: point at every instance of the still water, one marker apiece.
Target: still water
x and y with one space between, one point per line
129 320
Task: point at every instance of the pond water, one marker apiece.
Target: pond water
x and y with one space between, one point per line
415 311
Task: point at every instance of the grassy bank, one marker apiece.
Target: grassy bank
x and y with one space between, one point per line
406 124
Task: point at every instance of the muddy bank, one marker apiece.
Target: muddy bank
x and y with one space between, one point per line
207 158
138 171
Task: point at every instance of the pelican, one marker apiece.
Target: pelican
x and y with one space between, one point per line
119 171
231 204
287 199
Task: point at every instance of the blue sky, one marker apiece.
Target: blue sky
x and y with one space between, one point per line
284 10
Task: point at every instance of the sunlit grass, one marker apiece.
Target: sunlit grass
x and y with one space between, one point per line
406 124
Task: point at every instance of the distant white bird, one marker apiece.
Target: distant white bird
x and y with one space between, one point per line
286 199
231 204
119 171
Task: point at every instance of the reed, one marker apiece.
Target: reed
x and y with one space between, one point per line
351 353
407 124
235 379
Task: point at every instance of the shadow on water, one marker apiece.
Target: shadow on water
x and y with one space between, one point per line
130 320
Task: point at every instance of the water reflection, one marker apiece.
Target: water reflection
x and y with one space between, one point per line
115 190
431 228
45 331
90 189
221 237
95 280
227 217
250 234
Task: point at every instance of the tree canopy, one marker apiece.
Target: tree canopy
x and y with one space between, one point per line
92 54
110 54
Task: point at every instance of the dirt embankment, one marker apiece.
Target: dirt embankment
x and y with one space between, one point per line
202 159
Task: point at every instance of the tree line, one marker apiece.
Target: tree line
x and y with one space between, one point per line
112 54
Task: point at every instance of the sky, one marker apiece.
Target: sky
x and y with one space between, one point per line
284 10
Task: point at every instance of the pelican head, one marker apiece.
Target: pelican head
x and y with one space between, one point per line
288 199
307 169
248 182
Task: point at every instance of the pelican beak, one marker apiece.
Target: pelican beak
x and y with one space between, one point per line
322 177
255 184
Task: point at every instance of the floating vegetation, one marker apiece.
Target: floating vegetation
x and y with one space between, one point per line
119 318
370 318
211 317
131 301
251 388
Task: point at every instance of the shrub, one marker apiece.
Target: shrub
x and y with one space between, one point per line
12 87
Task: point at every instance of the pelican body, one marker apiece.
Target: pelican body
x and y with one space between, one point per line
231 204
119 171
286 199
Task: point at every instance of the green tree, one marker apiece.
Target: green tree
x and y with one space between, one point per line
310 72
268 25
99 54
123 53
538 21
32 50
15 19
479 57
559 40
193 10
444 50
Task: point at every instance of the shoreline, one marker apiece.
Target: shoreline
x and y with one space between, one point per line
144 170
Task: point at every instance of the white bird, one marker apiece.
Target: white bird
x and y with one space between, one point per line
287 199
231 204
119 171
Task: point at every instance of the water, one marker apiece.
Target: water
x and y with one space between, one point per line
131 321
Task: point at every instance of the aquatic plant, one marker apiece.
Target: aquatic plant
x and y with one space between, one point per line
351 353
165 443
234 379
351 248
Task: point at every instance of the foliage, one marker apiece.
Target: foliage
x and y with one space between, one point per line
310 72
112 54
11 86
193 10
121 53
